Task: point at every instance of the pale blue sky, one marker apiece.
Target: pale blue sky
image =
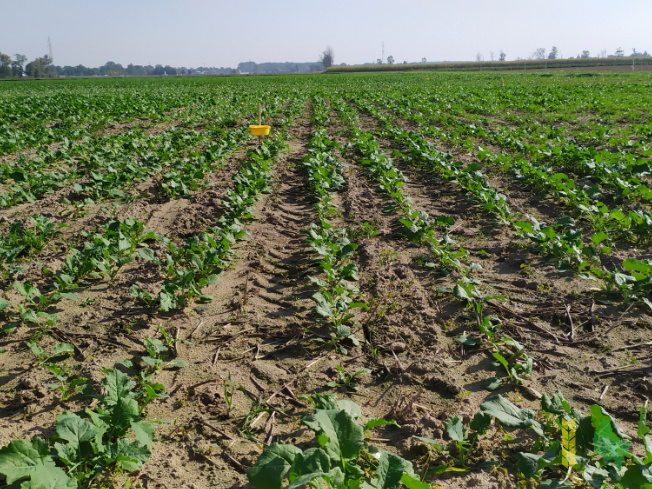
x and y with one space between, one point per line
222 33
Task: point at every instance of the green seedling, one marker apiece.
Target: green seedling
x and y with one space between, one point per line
346 380
370 230
229 390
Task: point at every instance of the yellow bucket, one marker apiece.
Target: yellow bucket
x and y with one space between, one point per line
259 130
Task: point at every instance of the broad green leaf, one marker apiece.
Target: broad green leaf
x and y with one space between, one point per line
598 414
566 221
525 226
555 484
338 433
508 414
323 307
333 478
639 266
118 386
68 295
391 469
647 443
638 477
599 237
144 432
605 442
501 359
350 407
467 340
151 360
556 405
177 363
493 383
29 317
642 426
461 293
147 254
272 466
30 459
314 462
413 483
63 348
68 454
440 469
75 430
527 464
595 476
375 422
480 422
213 278
454 428
130 455
166 301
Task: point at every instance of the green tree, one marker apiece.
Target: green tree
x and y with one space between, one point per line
619 53
112 69
17 65
5 66
327 57
390 59
586 54
502 56
39 68
554 53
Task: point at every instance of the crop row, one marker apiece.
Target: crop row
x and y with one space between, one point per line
561 240
335 301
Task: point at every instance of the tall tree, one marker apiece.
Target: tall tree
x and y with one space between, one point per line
5 66
502 56
327 57
586 54
554 53
390 60
17 65
539 53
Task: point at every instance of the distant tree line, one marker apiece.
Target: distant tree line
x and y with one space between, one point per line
44 68
250 67
554 53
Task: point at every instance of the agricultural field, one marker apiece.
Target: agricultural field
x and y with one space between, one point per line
428 279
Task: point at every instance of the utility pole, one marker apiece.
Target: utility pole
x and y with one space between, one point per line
50 50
